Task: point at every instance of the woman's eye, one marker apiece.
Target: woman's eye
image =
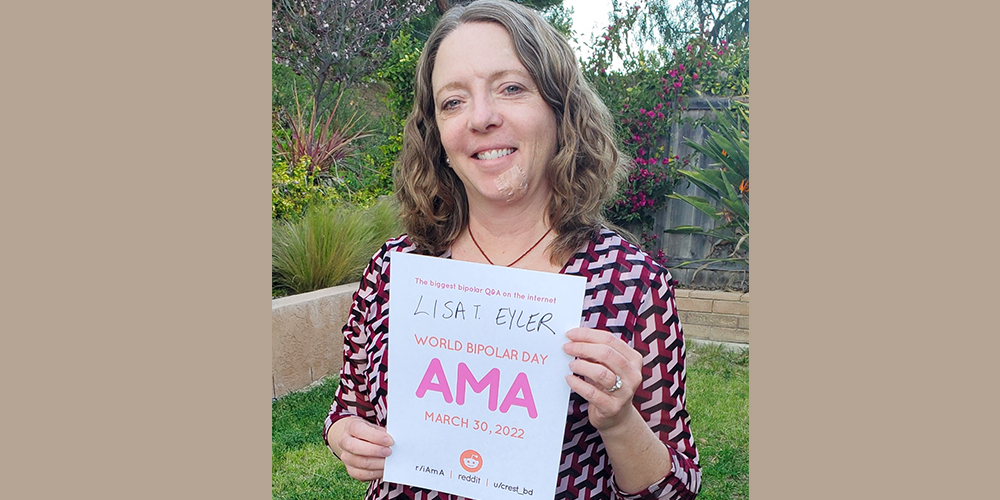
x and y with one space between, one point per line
512 89
450 103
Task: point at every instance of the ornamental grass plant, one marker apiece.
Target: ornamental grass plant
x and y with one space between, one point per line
718 394
330 245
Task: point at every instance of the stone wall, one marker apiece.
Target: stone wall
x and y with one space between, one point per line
712 315
306 339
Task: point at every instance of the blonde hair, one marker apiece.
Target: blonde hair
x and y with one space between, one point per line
583 174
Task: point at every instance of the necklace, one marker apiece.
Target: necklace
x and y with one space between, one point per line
515 260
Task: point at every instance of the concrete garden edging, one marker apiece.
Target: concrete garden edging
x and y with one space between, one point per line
307 345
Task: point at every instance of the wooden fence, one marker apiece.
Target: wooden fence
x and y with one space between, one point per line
684 247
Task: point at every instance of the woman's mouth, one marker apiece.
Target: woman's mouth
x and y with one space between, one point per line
493 153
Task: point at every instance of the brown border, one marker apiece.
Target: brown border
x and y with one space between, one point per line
867 219
136 347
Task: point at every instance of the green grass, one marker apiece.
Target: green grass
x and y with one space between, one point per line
718 388
302 468
718 385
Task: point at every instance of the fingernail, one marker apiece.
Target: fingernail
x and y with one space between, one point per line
386 452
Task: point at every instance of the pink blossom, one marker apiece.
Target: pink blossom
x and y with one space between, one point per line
681 67
677 85
694 76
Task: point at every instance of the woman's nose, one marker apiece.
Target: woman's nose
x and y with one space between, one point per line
485 114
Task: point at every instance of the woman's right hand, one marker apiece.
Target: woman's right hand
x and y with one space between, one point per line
362 446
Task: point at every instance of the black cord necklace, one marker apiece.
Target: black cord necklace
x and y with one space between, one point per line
523 255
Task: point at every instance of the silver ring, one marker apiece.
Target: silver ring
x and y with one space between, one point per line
618 384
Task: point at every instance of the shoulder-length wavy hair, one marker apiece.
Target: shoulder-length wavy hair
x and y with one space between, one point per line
583 174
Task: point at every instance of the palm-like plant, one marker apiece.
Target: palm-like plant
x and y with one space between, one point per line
323 140
726 185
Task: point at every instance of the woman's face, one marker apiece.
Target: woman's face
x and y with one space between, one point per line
498 132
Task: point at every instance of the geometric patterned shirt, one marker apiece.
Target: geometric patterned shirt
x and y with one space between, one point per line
627 293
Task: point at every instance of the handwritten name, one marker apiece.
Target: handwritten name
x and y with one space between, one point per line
519 319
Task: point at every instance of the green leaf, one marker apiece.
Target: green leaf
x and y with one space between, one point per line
699 203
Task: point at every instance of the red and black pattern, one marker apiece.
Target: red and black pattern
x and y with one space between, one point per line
627 293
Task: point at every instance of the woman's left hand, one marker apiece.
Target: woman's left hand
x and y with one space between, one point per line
602 358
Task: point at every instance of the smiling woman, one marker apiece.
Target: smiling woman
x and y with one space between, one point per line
508 158
498 133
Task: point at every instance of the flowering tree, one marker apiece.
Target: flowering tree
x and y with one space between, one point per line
648 87
336 43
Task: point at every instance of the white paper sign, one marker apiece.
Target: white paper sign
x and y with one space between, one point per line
477 392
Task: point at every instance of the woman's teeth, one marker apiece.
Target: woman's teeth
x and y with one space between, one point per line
494 154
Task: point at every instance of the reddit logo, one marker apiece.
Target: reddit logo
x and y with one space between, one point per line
471 460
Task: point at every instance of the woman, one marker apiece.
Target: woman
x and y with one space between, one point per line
508 158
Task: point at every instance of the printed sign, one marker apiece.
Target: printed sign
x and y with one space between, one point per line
478 396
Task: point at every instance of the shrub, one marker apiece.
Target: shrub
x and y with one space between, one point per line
293 188
727 186
649 93
330 245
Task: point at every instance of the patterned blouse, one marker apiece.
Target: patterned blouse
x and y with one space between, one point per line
627 293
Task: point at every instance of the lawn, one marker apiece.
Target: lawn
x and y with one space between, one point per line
718 385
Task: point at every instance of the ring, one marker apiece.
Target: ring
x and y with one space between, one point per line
618 384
